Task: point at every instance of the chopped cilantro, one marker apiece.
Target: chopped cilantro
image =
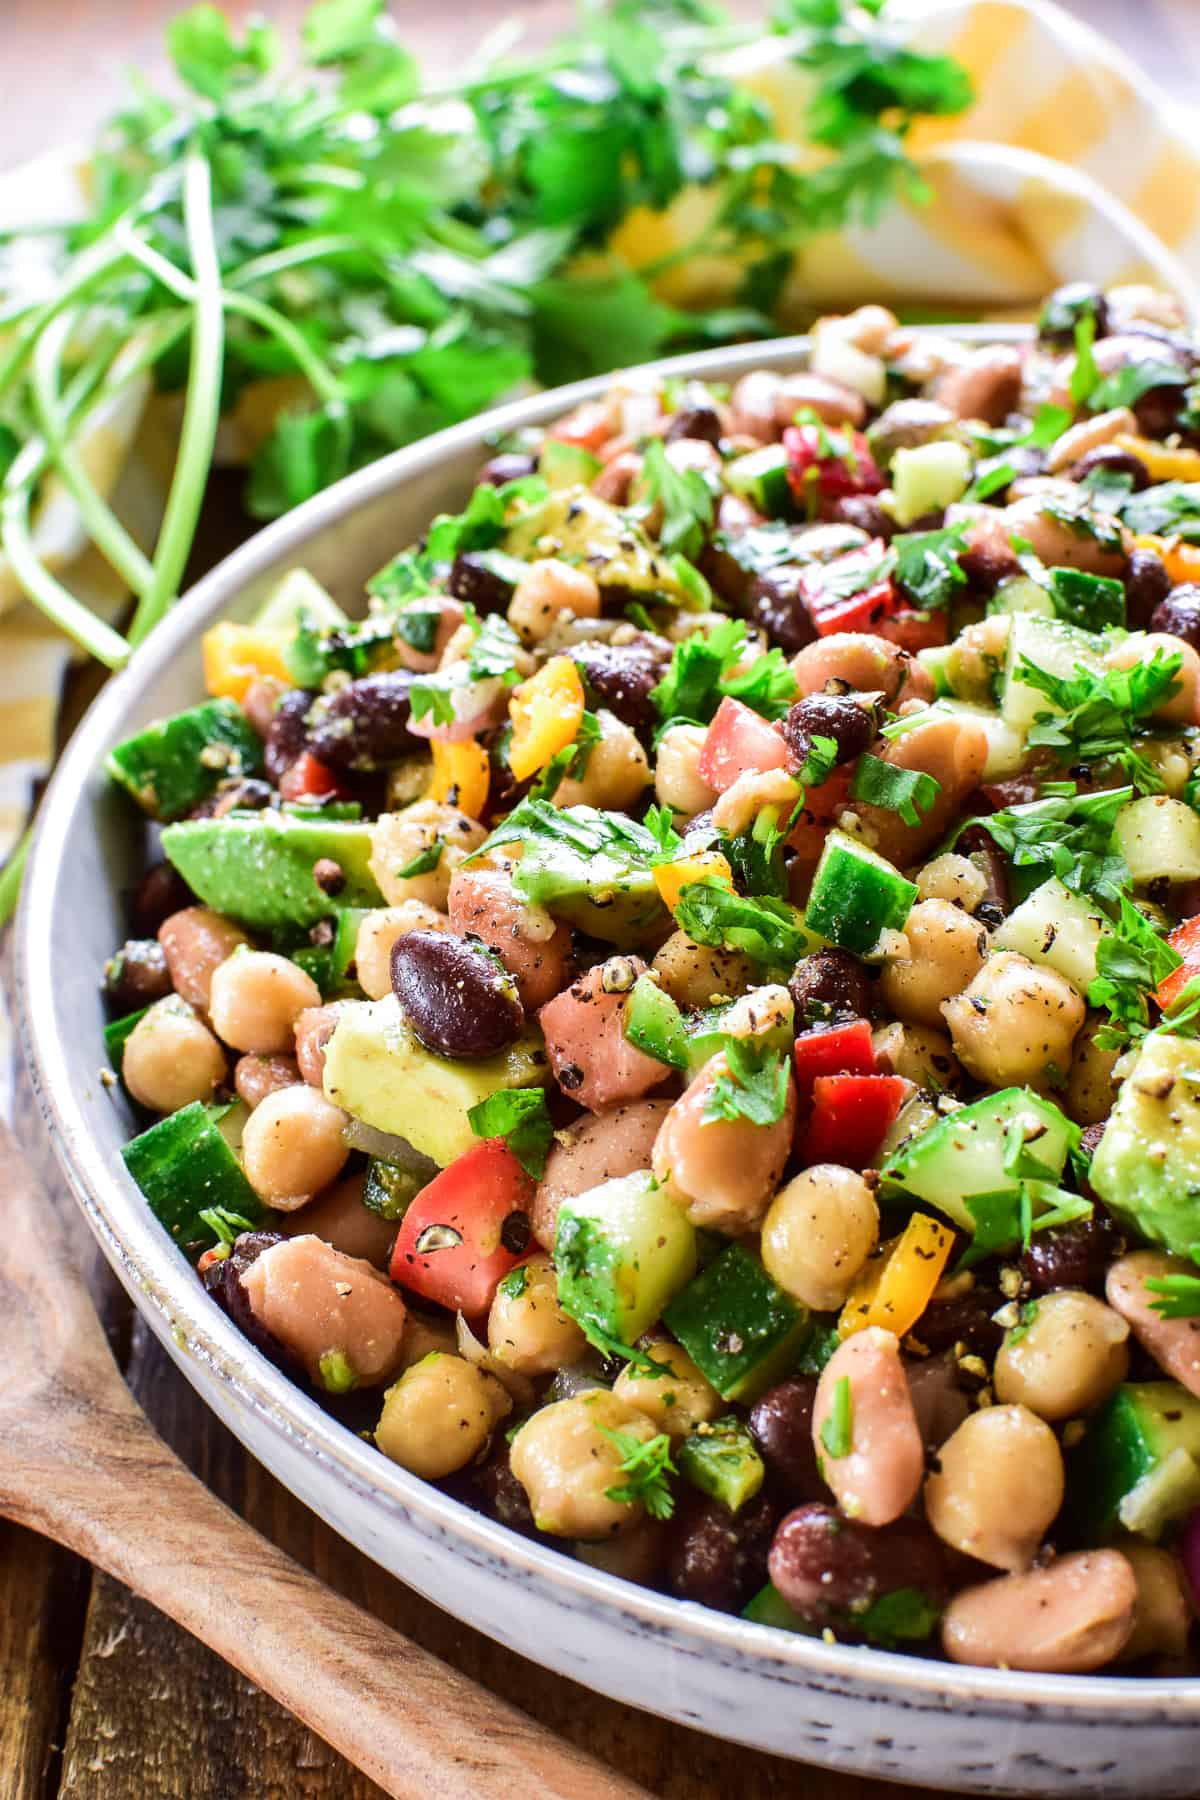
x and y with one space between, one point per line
1125 387
1170 509
837 1429
927 566
1090 601
417 626
1006 1218
756 854
1078 513
1100 711
685 498
1085 376
699 677
1069 835
570 762
513 1284
765 930
908 792
1182 1017
646 1465
819 764
1180 1293
425 861
1130 963
753 1086
521 1118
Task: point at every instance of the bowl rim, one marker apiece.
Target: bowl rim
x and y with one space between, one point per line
165 1287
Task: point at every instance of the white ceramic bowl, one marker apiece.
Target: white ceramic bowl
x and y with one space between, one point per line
855 1709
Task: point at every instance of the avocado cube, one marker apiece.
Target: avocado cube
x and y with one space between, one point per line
739 1328
172 765
259 869
965 1153
1147 1165
720 1459
622 1250
1137 1467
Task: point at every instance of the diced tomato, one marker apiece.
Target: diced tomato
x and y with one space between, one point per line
831 463
587 426
307 779
1185 939
466 1230
914 630
843 1050
850 1115
739 740
850 593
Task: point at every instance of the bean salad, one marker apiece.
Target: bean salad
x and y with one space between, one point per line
680 1023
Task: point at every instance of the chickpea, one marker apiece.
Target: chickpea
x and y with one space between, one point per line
678 782
439 1415
722 1172
171 1057
918 1053
1069 1618
1090 1089
742 802
255 999
676 1403
953 878
527 1329
818 1233
195 942
1016 1024
1141 647
946 949
617 771
293 1147
397 838
378 930
566 1464
1067 1355
545 591
998 1486
1162 1617
701 974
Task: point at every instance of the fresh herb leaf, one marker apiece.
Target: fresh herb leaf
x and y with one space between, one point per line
1068 835
494 651
1169 509
837 1429
700 676
513 1285
687 503
1092 602
646 1466
1180 1293
765 930
756 854
1100 712
908 792
579 850
1085 376
572 761
1182 1017
225 1226
314 652
1078 513
991 480
754 1085
1130 963
1125 387
521 1118
1007 1217
424 862
927 565
417 626
819 763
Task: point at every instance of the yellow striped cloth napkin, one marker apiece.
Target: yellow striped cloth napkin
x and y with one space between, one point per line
1070 165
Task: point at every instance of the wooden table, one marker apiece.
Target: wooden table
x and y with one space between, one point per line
101 1698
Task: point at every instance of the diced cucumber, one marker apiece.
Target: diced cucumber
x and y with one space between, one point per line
1021 594
1137 1467
567 465
1006 749
966 1152
928 479
171 766
259 869
720 1459
761 477
856 895
1057 928
116 1036
1049 644
739 1328
654 1023
1146 1167
1159 837
185 1167
295 596
938 662
389 1190
345 942
622 1250
769 1607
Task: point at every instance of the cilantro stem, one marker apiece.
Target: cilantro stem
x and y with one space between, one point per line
10 876
91 267
202 407
60 606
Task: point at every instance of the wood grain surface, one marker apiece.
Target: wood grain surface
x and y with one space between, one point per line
101 1697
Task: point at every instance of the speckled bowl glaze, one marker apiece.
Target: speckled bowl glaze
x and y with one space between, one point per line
925 1722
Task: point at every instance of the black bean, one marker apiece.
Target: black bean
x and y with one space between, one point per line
621 676
476 581
776 603
865 512
967 1320
1179 614
137 975
781 1426
242 793
1066 306
365 724
1113 461
1073 1256
829 984
717 1557
459 1000
985 569
224 1283
837 716
1147 584
508 465
1157 411
696 416
287 734
161 892
830 1570
498 1493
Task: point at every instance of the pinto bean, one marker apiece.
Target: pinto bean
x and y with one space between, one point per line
1074 1616
1057 544
722 1172
339 1218
833 402
861 662
986 386
458 1002
255 1076
998 1485
879 1475
533 947
612 1143
753 404
314 1028
1173 1343
951 749
137 975
1089 434
341 1319
584 1027
1180 707
830 1570
195 943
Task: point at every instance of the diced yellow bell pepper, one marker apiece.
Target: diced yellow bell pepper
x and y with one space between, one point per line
1182 561
897 1283
461 776
706 865
546 712
236 656
1162 462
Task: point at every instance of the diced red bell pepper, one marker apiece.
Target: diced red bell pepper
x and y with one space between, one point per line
739 741
830 463
466 1230
587 427
307 779
850 1114
914 630
1186 940
842 1050
834 597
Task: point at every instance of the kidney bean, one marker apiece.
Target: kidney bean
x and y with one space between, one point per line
1179 614
833 402
986 385
776 604
1147 584
497 1492
978 843
287 734
831 1569
985 567
879 1475
224 1282
865 513
781 1426
836 716
161 892
254 1076
753 403
717 1557
966 1320
830 984
1073 1256
1069 1618
313 1030
533 948
508 465
195 942
474 581
1173 1343
137 975
696 417
459 1000
1115 461
620 676
365 724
